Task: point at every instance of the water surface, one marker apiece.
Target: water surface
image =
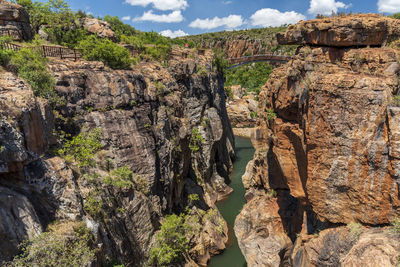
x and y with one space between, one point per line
230 208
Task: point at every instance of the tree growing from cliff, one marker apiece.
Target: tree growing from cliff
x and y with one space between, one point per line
172 245
81 148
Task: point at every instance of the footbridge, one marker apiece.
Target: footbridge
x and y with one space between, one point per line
276 59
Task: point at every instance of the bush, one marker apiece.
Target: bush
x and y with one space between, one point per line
195 140
81 148
64 248
172 245
220 62
271 115
31 66
113 55
121 178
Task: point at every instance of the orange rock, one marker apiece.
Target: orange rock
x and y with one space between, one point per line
343 31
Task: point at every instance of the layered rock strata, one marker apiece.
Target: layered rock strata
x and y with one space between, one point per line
328 137
147 117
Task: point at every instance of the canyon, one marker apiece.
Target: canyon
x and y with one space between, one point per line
322 188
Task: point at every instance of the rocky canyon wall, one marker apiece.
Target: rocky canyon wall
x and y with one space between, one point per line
324 184
167 124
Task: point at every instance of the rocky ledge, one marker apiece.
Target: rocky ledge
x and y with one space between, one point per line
327 150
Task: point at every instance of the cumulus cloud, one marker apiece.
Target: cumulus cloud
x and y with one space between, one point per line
175 16
126 18
326 7
160 4
268 17
230 22
389 6
173 34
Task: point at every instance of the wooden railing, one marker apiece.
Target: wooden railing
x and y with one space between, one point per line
48 51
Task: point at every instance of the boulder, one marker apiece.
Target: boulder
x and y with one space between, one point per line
343 31
14 21
99 27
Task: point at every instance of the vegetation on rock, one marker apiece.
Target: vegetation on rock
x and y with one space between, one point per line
81 148
66 244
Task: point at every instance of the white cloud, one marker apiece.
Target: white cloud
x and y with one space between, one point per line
173 34
226 2
230 22
268 17
326 7
126 18
389 6
160 4
175 16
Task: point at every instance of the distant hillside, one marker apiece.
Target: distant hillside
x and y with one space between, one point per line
243 42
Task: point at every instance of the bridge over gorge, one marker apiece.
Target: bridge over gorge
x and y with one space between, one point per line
276 59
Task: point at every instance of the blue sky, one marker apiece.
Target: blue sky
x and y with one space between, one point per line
179 17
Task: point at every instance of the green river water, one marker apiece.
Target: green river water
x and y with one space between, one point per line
230 208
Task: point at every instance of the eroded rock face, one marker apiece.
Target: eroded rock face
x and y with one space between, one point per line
260 232
341 247
169 126
331 135
343 31
14 21
328 136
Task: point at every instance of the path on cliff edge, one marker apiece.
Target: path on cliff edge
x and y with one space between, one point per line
230 208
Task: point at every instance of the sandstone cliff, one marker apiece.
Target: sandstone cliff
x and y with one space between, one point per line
327 143
147 118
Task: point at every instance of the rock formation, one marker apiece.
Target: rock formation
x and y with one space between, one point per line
14 21
242 110
147 117
99 27
328 142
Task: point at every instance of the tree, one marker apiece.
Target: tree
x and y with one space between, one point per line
172 245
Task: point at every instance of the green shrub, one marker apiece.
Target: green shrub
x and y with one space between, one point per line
120 177
81 148
271 115
253 114
355 229
113 55
195 140
57 248
93 204
31 66
202 71
220 62
171 245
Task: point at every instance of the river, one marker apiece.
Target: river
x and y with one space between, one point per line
230 208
